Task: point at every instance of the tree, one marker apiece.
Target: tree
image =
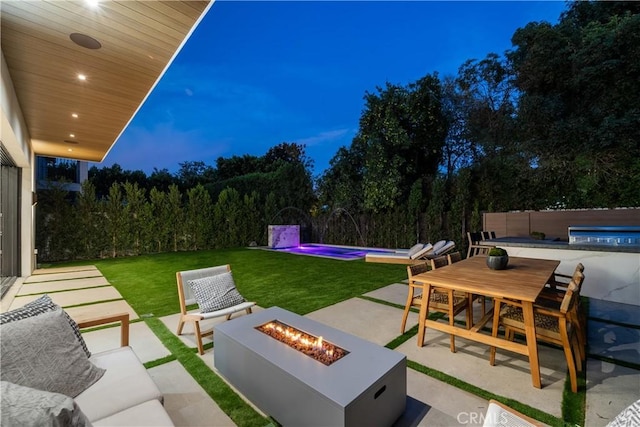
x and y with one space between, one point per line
198 218
235 166
137 223
115 220
226 217
191 174
161 179
402 130
56 236
286 152
579 109
90 222
175 216
104 178
341 185
161 214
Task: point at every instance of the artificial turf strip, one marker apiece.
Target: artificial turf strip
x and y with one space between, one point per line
229 402
300 284
383 302
398 341
158 362
520 407
574 404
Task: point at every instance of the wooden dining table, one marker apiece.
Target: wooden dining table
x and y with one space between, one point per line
522 281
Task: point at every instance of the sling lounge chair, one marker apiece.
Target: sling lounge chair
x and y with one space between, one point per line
214 291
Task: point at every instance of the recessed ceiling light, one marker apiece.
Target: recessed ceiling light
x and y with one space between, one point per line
69 150
82 77
92 3
85 41
74 115
72 135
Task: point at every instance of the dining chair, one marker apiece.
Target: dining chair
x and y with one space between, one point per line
552 326
488 235
558 283
455 257
441 300
474 247
553 299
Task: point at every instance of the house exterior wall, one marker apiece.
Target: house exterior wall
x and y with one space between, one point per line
15 140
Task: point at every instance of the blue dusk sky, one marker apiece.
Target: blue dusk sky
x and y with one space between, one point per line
255 74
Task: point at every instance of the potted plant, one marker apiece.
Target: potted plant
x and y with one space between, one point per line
537 235
497 259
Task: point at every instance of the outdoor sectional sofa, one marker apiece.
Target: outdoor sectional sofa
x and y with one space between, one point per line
46 368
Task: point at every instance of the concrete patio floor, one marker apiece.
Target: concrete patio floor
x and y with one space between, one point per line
610 387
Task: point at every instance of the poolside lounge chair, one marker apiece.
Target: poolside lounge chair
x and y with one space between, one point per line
415 254
214 291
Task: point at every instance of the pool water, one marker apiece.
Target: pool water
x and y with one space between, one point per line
346 253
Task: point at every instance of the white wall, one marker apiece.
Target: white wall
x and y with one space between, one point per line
15 139
609 276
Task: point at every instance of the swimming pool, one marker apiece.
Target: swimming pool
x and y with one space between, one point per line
345 253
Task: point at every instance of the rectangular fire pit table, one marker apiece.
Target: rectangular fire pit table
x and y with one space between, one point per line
367 387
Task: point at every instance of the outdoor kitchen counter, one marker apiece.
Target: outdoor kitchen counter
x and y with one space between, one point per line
524 242
612 273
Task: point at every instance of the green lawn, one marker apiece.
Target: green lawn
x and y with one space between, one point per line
297 283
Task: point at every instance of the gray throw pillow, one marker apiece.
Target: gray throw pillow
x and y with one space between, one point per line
42 352
41 305
25 406
215 292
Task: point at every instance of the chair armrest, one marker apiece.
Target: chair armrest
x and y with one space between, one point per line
123 318
508 301
548 312
554 283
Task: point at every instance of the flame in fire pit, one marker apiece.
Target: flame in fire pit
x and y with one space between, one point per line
315 347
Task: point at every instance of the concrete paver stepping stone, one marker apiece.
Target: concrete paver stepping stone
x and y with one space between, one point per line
431 402
610 389
73 297
64 269
142 340
395 293
62 276
372 321
185 400
510 377
99 309
62 285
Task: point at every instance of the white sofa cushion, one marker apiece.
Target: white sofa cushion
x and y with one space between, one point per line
125 384
148 414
